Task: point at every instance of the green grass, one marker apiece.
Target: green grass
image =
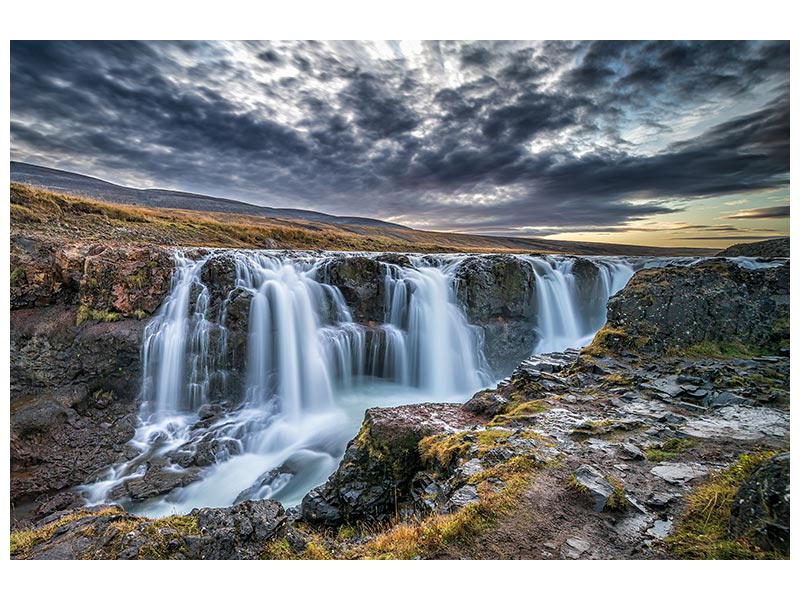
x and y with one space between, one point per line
708 349
23 540
90 314
702 532
668 450
18 275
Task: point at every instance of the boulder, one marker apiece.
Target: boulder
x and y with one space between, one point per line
760 508
235 532
374 478
158 481
486 403
713 305
595 484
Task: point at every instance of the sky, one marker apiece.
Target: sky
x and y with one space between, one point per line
658 143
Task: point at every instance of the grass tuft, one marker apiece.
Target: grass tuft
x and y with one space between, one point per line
702 532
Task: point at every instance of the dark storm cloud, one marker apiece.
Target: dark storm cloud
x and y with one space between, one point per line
482 135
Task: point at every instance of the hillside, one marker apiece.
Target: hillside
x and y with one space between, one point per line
44 214
67 182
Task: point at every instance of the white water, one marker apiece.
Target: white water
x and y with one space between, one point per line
566 317
311 373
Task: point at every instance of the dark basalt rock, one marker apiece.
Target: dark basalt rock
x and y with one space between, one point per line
662 310
768 248
496 286
498 293
75 357
486 403
218 274
73 387
361 281
159 480
374 478
236 532
761 507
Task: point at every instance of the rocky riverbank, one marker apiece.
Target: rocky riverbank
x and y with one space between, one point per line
667 437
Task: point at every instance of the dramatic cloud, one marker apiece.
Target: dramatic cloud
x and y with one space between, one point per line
503 137
770 212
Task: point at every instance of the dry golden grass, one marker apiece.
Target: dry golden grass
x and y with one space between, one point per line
406 540
41 213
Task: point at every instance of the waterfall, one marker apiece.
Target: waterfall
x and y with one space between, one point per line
172 384
269 401
310 371
256 373
568 316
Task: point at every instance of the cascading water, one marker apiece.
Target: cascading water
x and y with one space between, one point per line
233 412
310 372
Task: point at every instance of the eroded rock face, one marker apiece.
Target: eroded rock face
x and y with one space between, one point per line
118 282
73 389
496 286
128 281
375 474
498 293
361 281
716 302
77 323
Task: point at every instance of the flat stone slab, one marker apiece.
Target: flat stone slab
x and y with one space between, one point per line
574 547
596 484
678 473
740 423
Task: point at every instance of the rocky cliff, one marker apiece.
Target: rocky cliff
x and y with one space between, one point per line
78 314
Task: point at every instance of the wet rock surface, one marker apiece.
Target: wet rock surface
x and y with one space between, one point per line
498 294
361 281
646 429
626 420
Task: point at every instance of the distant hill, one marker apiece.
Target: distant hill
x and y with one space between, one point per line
778 247
97 189
209 221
